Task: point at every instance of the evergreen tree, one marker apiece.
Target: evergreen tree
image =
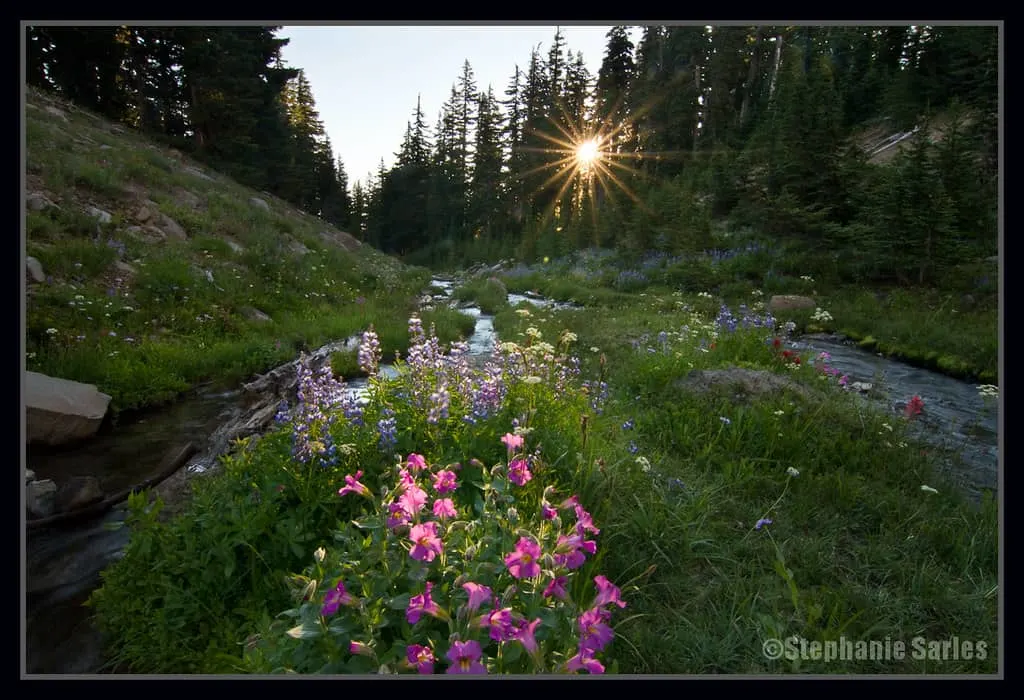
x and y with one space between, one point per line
83 64
234 81
614 83
485 186
515 118
357 222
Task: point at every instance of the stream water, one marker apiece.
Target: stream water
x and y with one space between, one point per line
63 564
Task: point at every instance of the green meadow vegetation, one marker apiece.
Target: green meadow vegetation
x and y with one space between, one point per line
577 501
724 522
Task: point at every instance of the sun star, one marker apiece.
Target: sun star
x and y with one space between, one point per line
587 152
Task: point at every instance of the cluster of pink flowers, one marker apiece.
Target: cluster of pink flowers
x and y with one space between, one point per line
503 624
518 465
406 518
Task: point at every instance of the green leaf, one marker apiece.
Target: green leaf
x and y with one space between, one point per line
372 523
512 652
399 602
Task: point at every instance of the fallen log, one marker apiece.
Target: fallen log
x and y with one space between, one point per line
172 463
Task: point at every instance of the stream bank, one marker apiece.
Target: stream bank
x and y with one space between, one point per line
64 563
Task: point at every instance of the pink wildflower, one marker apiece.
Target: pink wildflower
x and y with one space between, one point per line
420 604
426 543
335 598
413 499
512 441
501 623
556 588
607 593
397 517
360 649
478 594
594 630
519 472
522 563
465 657
444 481
421 657
525 635
444 508
352 485
585 660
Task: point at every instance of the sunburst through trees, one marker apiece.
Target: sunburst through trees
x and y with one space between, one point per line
586 166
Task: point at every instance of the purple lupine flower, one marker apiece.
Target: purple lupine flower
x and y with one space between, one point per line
369 352
439 403
387 429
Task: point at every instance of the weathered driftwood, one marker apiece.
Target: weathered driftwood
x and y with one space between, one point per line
174 461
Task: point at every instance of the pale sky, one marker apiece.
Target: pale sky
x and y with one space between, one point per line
365 79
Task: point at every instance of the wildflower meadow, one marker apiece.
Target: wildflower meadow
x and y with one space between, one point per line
560 506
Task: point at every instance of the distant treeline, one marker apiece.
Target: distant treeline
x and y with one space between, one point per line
697 124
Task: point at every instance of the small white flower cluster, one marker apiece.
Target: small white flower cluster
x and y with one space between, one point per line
807 278
706 295
821 315
989 391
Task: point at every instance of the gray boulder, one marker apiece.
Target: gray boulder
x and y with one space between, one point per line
59 411
40 498
787 302
740 383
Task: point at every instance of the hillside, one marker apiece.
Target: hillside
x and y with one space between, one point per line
148 273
